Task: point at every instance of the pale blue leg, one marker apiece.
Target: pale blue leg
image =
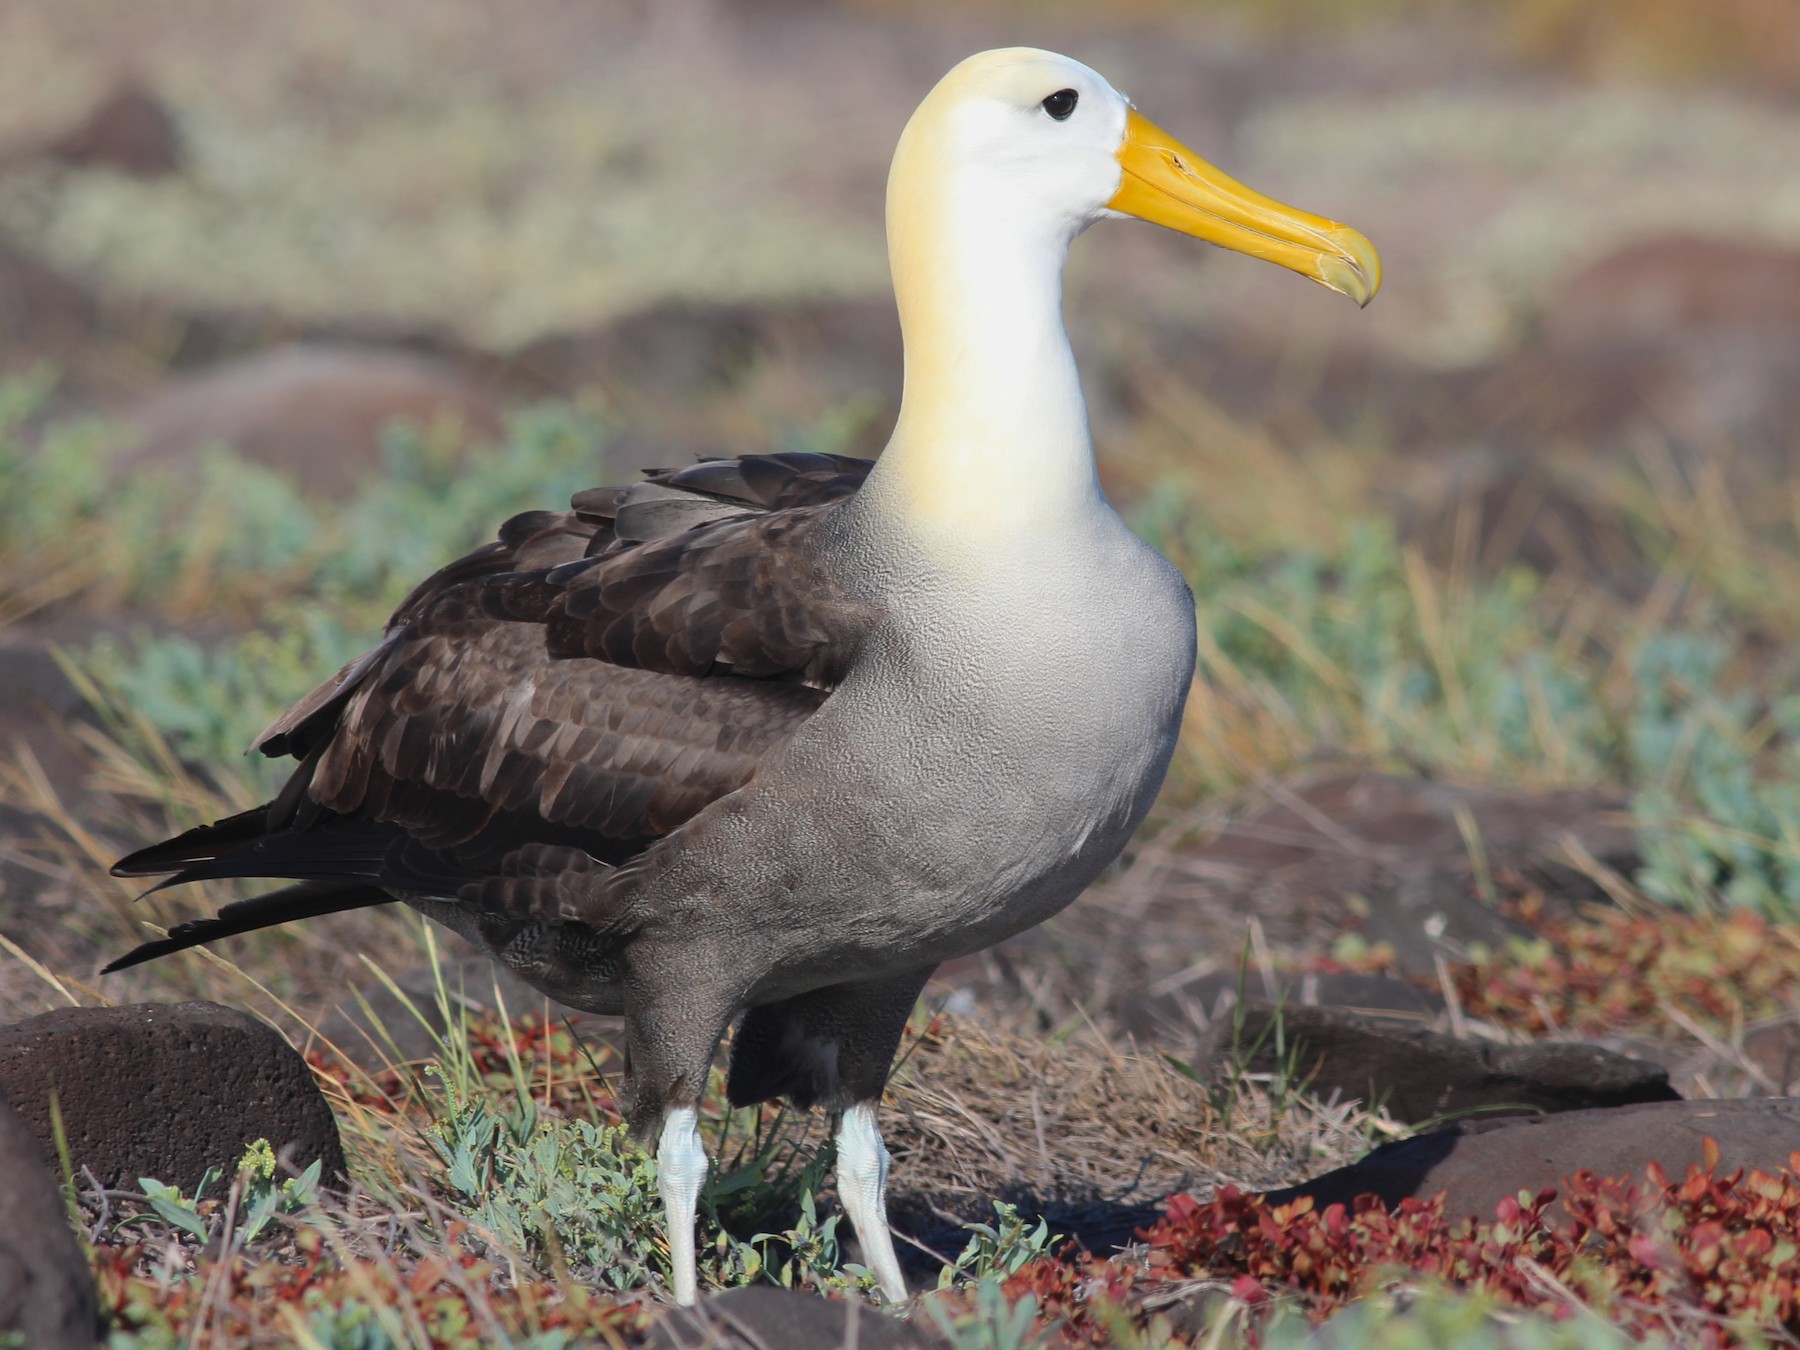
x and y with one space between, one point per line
862 1170
680 1173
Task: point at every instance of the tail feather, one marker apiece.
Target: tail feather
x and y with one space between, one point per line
337 856
203 843
308 900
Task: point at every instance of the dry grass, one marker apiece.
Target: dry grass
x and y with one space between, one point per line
980 1102
977 1111
137 790
1080 1123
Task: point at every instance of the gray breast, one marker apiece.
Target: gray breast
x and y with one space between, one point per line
990 753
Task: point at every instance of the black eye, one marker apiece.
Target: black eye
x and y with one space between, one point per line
1060 104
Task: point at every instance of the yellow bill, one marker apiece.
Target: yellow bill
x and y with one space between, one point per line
1167 184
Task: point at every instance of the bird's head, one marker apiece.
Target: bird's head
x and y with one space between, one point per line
1042 137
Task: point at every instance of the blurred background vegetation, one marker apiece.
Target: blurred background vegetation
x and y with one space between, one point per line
298 301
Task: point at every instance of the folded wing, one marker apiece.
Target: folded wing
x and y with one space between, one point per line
586 683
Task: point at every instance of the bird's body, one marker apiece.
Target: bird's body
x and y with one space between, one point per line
773 737
982 696
1049 692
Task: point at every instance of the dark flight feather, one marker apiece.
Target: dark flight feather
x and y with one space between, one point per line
192 846
567 694
308 900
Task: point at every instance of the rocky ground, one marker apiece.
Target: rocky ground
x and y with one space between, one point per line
1476 870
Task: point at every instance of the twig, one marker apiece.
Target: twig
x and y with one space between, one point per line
1452 1004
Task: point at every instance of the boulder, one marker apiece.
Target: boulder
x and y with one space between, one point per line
130 132
1156 947
847 347
38 704
1690 341
44 315
1773 1051
1386 856
761 1317
47 1296
166 1090
1687 338
1217 992
1417 1074
1677 286
316 412
1479 1163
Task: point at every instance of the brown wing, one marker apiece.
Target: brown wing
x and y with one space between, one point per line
474 738
702 570
533 540
589 681
711 570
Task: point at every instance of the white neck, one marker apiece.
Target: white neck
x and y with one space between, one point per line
992 437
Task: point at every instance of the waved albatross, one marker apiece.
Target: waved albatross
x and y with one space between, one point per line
774 736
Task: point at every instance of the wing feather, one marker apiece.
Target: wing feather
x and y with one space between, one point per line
555 701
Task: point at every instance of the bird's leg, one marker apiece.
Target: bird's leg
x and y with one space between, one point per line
833 1047
680 1173
676 1008
862 1167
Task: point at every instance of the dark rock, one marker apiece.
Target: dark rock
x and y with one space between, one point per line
762 1317
1677 285
1217 993
1773 1049
43 314
1418 1074
680 345
1700 357
1155 947
937 1220
376 1027
1208 997
1689 339
316 412
47 1295
166 1090
1477 1164
1386 856
130 132
846 347
37 703
38 706
670 374
1728 386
